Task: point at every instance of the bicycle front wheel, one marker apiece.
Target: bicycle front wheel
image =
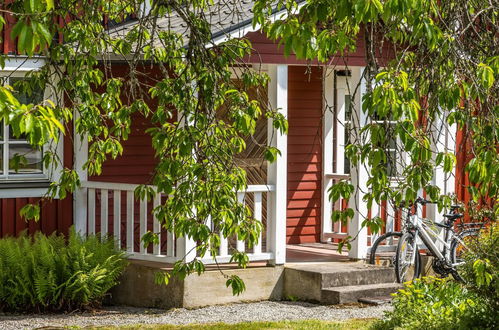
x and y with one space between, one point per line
407 259
457 248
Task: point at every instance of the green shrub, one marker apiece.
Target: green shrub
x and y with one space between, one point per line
432 303
50 273
481 269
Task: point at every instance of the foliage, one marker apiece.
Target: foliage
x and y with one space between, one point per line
481 269
431 66
164 70
432 303
48 273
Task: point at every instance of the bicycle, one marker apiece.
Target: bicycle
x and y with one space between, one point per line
446 260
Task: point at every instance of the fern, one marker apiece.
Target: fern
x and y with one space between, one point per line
50 273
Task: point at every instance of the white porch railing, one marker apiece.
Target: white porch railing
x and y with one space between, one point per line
334 230
113 210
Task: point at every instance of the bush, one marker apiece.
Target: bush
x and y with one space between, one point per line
481 269
48 273
432 303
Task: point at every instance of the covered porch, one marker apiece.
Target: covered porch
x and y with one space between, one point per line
293 203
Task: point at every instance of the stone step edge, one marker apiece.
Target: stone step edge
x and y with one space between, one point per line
362 287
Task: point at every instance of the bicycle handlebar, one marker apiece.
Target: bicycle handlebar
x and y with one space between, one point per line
423 201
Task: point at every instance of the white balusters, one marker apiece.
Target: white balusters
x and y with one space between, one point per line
258 216
104 207
240 244
130 227
156 226
143 224
176 248
91 211
117 216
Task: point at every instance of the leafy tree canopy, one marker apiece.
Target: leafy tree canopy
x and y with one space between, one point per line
444 64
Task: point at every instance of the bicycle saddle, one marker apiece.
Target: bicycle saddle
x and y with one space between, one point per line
453 216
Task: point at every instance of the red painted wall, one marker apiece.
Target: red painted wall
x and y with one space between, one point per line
136 164
304 155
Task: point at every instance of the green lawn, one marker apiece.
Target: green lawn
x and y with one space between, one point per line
307 324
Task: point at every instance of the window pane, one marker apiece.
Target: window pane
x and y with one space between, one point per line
391 163
30 161
24 97
1 159
346 163
1 130
348 107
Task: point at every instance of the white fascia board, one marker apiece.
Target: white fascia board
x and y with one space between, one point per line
245 29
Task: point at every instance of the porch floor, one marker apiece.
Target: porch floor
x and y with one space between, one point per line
295 254
314 252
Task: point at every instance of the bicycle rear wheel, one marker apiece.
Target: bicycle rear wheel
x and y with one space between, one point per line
376 254
407 259
457 248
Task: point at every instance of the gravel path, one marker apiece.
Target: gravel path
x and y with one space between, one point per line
232 313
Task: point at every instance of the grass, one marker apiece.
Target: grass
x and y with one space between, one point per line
302 324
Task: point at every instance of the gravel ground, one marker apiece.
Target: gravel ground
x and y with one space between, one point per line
232 313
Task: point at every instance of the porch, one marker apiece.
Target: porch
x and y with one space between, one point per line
291 199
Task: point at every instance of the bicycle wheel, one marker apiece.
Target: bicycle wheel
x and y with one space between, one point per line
375 255
407 260
457 248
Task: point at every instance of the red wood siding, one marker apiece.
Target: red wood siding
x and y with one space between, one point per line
136 164
267 51
304 155
55 216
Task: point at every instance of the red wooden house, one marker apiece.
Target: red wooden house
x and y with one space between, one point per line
314 97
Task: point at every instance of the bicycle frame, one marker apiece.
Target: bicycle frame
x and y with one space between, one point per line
426 233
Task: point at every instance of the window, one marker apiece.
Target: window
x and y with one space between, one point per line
347 126
390 147
16 151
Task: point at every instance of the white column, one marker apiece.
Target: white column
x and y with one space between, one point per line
341 86
80 195
185 246
277 171
444 138
359 176
327 153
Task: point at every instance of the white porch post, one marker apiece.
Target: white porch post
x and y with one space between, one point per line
444 136
185 246
327 154
277 171
80 195
359 177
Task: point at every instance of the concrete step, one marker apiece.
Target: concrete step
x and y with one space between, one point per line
307 281
361 276
352 293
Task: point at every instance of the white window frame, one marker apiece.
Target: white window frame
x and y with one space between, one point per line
389 150
27 185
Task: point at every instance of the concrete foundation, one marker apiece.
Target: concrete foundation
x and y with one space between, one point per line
138 288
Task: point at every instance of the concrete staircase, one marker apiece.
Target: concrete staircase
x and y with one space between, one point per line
338 283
